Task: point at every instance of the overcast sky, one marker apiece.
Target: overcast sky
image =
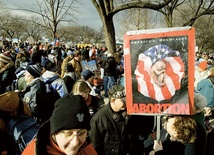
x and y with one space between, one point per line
87 16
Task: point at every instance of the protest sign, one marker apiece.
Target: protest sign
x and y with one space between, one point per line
159 71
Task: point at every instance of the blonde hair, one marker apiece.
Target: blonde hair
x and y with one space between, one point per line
211 70
80 86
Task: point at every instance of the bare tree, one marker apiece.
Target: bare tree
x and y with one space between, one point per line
12 25
108 8
187 11
137 19
53 12
205 35
97 36
33 28
199 8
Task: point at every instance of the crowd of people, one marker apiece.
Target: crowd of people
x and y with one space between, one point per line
54 89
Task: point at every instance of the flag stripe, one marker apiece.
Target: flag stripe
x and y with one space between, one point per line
147 86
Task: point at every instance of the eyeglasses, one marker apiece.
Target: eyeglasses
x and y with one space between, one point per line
82 134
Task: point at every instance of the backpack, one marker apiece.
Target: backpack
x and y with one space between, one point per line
22 129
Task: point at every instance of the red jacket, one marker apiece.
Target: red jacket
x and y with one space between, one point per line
44 145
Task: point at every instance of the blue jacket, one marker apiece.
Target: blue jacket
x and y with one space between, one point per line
56 82
206 88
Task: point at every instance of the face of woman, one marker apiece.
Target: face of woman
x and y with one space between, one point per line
84 95
70 141
168 125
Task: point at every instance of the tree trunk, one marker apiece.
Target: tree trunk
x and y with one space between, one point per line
109 34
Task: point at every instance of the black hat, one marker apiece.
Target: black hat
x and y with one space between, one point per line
70 112
35 70
117 91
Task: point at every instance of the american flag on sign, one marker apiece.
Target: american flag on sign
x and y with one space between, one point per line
173 75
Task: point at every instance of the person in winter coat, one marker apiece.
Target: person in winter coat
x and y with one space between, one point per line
110 66
206 88
88 76
7 71
50 75
201 72
108 124
35 93
66 132
198 115
76 63
182 131
94 103
11 106
65 62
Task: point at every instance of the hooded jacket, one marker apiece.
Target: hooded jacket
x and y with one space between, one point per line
44 145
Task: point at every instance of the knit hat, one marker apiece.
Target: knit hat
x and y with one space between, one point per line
49 63
87 74
203 65
199 101
117 91
5 57
35 70
70 112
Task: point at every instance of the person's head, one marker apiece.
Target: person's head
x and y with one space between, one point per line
13 105
117 97
70 54
87 75
202 66
199 103
104 48
4 59
80 87
117 57
181 128
32 72
49 63
211 71
77 55
70 123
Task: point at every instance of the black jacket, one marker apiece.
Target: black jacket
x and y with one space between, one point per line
119 134
110 67
107 131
